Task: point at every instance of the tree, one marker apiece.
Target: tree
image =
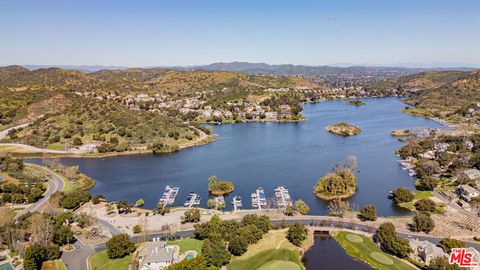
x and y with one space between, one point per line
441 263
390 242
425 205
123 207
75 199
119 246
64 217
251 233
422 222
215 251
297 233
402 194
137 229
197 263
302 207
63 235
289 210
191 215
77 141
97 199
427 183
368 212
34 257
448 243
237 246
262 222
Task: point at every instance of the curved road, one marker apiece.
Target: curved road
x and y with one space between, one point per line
4 133
55 183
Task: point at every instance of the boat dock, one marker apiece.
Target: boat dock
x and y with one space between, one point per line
193 199
237 202
282 197
168 197
258 199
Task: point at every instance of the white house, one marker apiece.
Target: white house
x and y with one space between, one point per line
156 255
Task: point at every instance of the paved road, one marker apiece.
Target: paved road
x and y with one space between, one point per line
4 133
55 183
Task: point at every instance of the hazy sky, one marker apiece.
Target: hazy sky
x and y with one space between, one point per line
181 32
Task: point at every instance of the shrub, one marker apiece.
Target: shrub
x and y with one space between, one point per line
422 222
425 205
302 207
402 194
137 229
191 215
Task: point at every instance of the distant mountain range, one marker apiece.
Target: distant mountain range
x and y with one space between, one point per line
280 70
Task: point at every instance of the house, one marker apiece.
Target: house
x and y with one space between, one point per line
271 115
88 148
284 111
467 192
228 115
428 155
156 255
472 174
442 147
425 251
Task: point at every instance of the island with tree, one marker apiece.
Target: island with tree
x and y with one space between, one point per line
339 184
343 129
219 187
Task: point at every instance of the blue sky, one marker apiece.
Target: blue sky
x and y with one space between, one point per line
183 32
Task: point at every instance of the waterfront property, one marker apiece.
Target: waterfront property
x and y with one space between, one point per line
156 255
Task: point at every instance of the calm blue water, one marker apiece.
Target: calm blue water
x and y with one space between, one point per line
270 154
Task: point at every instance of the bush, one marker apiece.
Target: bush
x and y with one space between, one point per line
425 205
119 246
297 233
448 243
137 229
302 207
77 141
75 199
427 183
368 212
402 195
215 252
422 222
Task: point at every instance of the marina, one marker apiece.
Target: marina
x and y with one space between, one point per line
168 197
258 199
282 197
193 200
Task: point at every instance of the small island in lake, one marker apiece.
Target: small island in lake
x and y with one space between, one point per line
340 184
343 129
356 102
401 132
218 187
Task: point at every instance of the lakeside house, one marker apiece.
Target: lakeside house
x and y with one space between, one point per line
156 255
425 251
467 192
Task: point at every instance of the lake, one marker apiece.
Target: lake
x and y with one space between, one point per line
326 253
294 155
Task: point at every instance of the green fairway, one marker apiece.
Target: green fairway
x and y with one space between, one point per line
100 261
188 244
269 260
284 265
368 252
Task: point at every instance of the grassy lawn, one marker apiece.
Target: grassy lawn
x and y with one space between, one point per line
364 249
188 244
56 146
422 194
54 265
272 252
419 195
100 261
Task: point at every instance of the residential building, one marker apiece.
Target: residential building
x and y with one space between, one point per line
472 174
284 111
156 255
271 115
467 192
425 251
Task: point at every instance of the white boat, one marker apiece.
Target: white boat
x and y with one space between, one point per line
282 197
193 199
237 202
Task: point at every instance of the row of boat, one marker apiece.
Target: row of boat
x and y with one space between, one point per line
259 200
406 165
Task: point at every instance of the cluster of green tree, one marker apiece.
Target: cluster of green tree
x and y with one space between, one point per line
219 187
339 184
390 242
161 147
197 263
297 233
30 188
402 195
226 238
71 200
298 207
368 212
422 222
191 215
45 231
291 99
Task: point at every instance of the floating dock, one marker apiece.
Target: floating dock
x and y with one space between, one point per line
258 199
168 197
193 199
237 202
282 197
